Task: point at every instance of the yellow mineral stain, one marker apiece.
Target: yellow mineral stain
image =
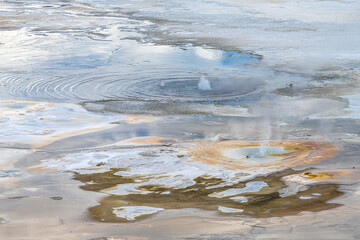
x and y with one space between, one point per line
9 27
297 153
314 175
331 175
39 168
10 181
138 141
31 107
318 176
140 119
52 138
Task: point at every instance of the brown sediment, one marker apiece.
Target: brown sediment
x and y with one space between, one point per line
9 27
100 181
264 203
6 22
298 153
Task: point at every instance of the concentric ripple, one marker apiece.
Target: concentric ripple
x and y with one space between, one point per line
85 52
186 88
142 86
138 71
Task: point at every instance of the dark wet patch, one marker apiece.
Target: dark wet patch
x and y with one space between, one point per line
101 181
264 203
56 198
108 238
19 197
348 86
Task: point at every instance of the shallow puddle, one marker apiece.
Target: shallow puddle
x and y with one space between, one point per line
175 177
275 154
257 154
263 202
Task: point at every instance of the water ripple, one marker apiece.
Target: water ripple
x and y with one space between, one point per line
139 71
147 85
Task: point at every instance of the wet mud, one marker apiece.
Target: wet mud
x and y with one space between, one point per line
263 204
259 196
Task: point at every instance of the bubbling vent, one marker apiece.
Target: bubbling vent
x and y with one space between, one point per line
189 88
251 154
204 84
